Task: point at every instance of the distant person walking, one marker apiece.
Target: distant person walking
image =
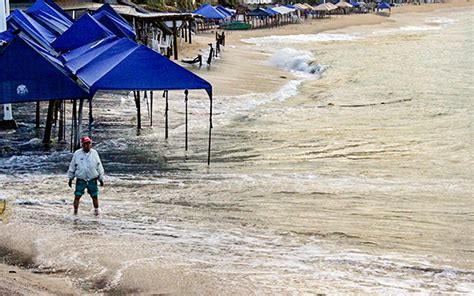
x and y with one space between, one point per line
87 168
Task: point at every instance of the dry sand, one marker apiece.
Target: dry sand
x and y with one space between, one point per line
233 74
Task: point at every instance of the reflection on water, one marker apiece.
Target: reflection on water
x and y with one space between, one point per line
358 182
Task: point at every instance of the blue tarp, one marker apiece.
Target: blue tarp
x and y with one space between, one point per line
115 25
6 36
209 12
259 12
104 55
355 3
84 31
51 18
383 5
224 11
100 59
28 76
270 11
19 20
90 48
106 7
128 66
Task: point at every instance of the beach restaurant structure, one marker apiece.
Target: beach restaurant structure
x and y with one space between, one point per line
47 56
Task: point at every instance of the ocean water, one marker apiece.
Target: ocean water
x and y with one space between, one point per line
355 177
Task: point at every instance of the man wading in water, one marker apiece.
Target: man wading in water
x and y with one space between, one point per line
87 168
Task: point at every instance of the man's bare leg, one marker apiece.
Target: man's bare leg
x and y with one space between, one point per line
95 201
76 204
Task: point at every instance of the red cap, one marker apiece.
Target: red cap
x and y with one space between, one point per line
86 140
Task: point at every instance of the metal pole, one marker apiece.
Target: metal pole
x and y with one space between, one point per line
73 125
91 118
61 122
186 119
79 122
151 108
165 94
210 128
37 121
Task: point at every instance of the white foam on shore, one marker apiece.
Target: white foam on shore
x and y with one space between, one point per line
297 61
440 20
301 38
419 28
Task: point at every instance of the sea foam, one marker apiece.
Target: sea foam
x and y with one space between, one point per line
301 38
296 61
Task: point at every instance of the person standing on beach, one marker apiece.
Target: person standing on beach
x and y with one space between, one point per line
87 168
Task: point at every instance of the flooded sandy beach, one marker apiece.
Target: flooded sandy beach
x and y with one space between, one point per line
341 163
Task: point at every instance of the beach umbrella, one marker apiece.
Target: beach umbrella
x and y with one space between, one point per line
321 7
343 4
330 6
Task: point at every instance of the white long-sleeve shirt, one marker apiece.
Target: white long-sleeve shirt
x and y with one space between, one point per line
86 166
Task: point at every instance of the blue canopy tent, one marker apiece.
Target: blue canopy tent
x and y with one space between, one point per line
116 26
259 12
100 60
270 11
85 30
106 7
128 66
354 3
383 5
79 57
224 11
125 65
49 17
20 21
34 76
209 12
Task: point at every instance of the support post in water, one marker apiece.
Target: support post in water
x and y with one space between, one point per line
210 129
151 108
37 121
165 95
49 123
91 118
186 119
79 124
136 94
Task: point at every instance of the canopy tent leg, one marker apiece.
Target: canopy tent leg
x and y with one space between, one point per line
61 129
165 95
73 125
64 121
56 111
186 119
37 121
79 123
151 108
210 129
49 123
91 118
136 94
145 96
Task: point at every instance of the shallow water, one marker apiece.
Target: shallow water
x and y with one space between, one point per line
356 177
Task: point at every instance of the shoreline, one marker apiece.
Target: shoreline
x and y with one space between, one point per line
233 74
237 55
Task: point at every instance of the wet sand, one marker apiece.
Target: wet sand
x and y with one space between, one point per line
233 74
